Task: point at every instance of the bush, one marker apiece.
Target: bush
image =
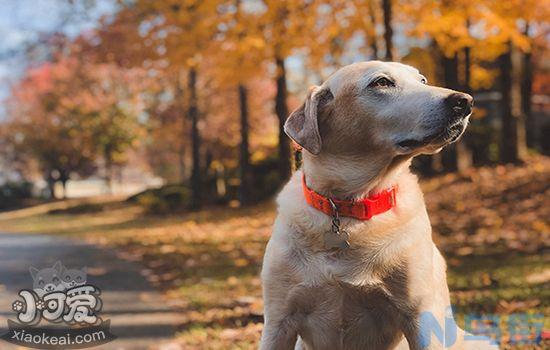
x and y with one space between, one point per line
85 208
165 200
266 180
13 194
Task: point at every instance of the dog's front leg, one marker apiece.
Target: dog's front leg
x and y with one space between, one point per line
426 318
426 331
279 333
433 326
280 325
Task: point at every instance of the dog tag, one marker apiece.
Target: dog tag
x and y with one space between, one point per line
334 240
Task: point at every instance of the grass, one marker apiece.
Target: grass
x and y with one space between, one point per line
494 235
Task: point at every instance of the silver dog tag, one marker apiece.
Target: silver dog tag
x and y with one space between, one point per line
336 238
336 241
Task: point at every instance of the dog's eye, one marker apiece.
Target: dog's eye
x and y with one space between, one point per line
382 82
424 80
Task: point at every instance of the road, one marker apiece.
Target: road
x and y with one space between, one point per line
140 317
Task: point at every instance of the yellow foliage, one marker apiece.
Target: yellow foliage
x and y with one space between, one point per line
482 78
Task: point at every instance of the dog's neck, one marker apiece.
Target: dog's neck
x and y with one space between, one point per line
350 178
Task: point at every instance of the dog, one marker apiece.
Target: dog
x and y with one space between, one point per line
351 263
74 278
47 280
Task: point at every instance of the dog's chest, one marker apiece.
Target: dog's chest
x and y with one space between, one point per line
340 316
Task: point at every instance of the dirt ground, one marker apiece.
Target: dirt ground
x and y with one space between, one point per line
492 225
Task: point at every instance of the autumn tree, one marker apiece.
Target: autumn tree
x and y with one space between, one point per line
243 48
45 130
67 112
285 24
335 24
532 61
167 130
113 107
120 40
111 101
364 19
447 24
179 33
513 20
227 52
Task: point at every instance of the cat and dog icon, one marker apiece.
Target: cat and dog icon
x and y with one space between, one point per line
57 278
58 295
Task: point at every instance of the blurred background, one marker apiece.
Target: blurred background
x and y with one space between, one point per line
155 127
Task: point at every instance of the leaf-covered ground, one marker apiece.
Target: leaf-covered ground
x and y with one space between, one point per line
492 225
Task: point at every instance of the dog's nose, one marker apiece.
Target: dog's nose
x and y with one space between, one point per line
461 104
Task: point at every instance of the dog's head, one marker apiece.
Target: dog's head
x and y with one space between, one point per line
74 277
381 107
47 280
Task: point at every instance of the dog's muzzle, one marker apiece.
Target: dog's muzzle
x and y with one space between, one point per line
459 107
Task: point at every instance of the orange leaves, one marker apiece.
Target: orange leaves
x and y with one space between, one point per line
501 207
69 112
181 30
482 78
486 26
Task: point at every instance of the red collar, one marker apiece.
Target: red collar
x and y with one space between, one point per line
361 209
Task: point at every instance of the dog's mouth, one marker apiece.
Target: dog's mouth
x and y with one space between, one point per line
411 143
449 135
438 139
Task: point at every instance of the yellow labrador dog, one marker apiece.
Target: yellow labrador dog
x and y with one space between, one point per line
351 263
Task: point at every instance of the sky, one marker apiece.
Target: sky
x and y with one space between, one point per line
22 22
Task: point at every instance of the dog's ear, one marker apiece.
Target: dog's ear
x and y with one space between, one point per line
58 267
302 125
34 271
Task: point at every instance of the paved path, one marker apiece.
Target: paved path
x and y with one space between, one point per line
139 316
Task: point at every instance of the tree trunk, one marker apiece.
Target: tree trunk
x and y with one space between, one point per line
372 31
208 178
108 169
511 109
507 152
517 62
181 109
464 156
193 114
50 181
467 69
281 109
64 186
450 71
526 92
449 155
181 164
388 29
244 151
